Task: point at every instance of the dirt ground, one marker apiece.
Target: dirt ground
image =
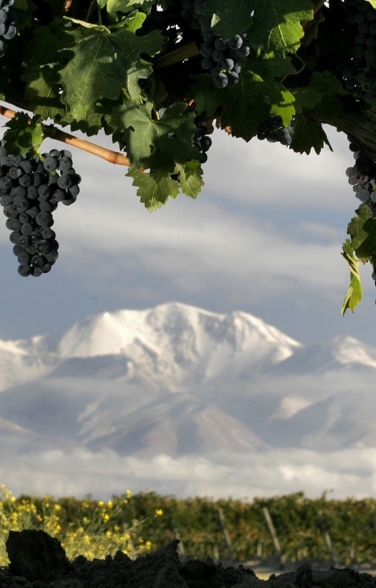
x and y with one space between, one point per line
38 560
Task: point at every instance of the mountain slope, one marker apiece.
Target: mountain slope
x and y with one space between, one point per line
181 380
342 352
176 345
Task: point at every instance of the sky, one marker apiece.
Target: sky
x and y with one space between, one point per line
264 236
103 474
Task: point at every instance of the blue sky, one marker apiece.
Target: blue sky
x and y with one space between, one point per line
264 236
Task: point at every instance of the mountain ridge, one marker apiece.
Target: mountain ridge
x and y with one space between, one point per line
179 380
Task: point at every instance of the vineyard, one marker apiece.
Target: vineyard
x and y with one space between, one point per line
342 532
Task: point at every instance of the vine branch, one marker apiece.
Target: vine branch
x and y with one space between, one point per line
178 55
54 133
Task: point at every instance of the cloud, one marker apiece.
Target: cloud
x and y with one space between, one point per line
263 174
265 232
220 475
232 233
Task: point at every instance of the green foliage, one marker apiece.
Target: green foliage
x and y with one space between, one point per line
84 527
94 528
355 292
23 135
276 25
133 69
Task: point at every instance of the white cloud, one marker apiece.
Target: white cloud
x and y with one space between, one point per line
264 228
343 473
260 173
189 246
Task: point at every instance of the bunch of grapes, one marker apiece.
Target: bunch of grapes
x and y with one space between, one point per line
30 190
7 24
223 60
360 74
362 176
202 141
273 130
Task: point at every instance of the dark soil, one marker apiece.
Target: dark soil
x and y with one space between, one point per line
39 561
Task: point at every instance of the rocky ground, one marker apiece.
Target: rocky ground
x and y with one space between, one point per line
39 561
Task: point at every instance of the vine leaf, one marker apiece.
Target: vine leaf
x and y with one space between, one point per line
46 52
330 88
272 23
362 244
153 192
362 229
23 134
307 135
115 7
191 180
355 291
248 103
103 64
157 144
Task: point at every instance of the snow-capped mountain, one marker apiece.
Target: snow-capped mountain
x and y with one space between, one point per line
176 346
175 380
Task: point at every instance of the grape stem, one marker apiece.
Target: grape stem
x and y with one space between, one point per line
177 55
54 133
319 4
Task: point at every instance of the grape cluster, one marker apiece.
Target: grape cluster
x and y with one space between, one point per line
360 74
30 190
223 60
273 130
7 24
362 176
202 141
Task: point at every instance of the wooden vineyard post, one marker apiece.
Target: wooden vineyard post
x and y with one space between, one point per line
225 533
326 536
329 546
176 533
273 534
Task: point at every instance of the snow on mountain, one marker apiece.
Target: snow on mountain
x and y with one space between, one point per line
175 345
178 380
338 353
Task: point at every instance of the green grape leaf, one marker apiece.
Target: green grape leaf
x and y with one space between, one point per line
248 103
115 7
42 91
153 192
355 291
308 135
251 102
103 64
307 97
362 229
191 180
330 88
372 2
119 8
133 22
157 144
46 50
23 134
276 25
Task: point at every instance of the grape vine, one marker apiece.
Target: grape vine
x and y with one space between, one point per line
158 75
